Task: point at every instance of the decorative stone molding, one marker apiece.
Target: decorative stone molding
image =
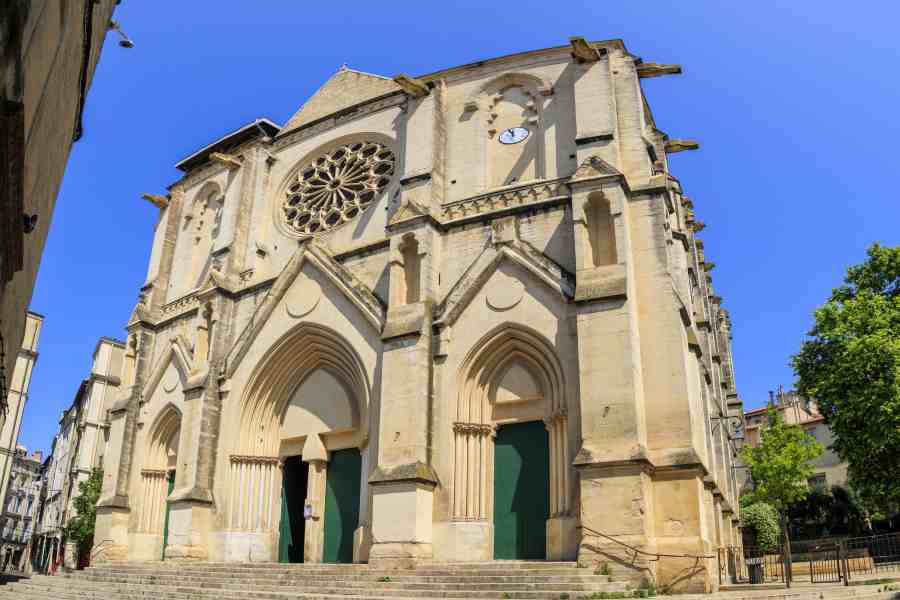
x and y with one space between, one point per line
520 195
475 428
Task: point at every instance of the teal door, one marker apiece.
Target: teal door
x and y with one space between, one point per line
521 491
169 488
292 529
341 505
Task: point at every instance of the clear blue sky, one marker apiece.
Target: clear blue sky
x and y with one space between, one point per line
794 104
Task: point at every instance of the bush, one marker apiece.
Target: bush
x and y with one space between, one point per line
762 518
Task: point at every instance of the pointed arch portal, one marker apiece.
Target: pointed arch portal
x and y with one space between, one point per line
510 439
310 387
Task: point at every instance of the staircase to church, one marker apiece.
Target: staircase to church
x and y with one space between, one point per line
506 580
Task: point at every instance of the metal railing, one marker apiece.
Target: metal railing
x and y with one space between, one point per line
750 564
826 560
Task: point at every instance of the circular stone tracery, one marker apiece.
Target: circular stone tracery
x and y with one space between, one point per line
337 186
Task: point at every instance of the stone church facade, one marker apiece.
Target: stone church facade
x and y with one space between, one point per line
457 317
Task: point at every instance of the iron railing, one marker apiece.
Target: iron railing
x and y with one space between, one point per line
750 564
826 560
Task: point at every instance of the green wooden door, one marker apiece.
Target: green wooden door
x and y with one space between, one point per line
341 505
292 528
169 488
521 491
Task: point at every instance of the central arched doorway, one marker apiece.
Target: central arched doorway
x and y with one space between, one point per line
300 461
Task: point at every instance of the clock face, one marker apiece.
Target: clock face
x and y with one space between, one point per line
514 135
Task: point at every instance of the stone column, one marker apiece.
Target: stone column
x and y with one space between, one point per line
314 542
562 532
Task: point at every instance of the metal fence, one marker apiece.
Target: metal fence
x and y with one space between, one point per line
750 564
827 560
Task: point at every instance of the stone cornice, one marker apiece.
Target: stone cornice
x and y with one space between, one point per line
530 194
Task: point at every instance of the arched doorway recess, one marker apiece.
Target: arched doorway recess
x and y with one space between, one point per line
296 473
158 475
512 409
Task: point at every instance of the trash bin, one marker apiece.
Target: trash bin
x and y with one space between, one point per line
755 570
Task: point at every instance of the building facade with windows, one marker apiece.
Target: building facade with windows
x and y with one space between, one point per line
462 316
50 53
77 450
17 397
797 410
20 508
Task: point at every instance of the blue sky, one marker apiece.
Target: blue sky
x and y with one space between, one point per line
794 105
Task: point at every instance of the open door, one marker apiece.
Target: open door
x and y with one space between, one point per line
292 530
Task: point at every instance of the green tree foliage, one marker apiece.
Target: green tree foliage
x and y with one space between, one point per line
780 464
762 519
829 511
851 365
81 527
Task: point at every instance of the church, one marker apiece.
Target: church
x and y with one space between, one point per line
462 316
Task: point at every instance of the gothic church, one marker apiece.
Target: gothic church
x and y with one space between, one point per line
455 317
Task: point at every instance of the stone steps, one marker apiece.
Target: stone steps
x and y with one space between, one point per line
440 581
205 581
411 580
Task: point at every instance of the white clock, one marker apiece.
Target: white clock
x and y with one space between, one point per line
514 135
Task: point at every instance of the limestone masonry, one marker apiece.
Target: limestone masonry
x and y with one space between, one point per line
456 317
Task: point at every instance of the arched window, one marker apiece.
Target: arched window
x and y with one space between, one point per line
409 250
601 231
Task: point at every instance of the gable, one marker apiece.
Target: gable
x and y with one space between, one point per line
505 296
301 299
344 89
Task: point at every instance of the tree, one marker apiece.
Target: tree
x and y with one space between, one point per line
829 511
762 519
780 464
780 470
81 528
851 365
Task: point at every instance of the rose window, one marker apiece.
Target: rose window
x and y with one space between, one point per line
337 186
